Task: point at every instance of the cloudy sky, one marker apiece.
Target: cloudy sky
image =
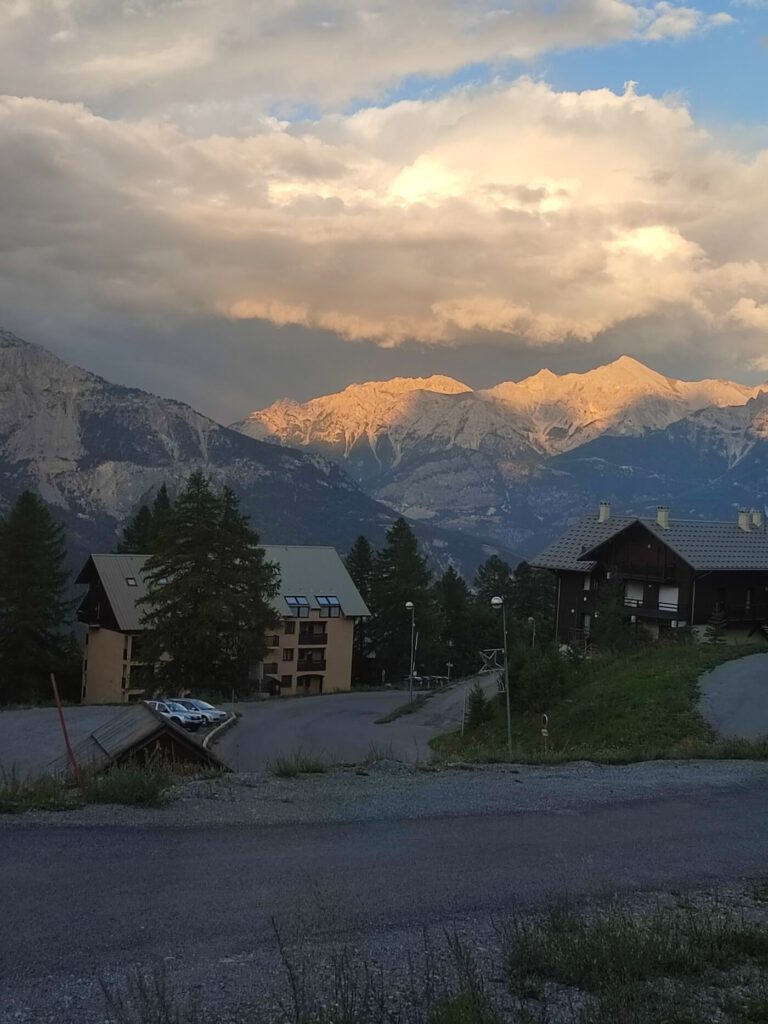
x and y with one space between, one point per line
229 201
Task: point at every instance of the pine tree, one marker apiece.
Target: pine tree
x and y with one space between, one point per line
34 610
137 534
715 631
457 633
478 707
533 596
493 579
360 566
401 575
143 534
207 609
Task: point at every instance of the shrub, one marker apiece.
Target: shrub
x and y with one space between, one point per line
478 707
140 785
46 793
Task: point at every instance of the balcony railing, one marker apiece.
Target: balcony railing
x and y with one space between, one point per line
651 609
309 639
313 665
662 573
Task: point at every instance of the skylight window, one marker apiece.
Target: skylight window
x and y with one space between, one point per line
298 604
330 606
131 581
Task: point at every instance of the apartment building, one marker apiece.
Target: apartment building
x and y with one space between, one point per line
673 573
309 652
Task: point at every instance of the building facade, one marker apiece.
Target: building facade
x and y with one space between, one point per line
672 574
309 652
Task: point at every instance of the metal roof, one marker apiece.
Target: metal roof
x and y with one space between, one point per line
304 570
705 546
129 730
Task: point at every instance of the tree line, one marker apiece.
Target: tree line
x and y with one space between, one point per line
208 607
454 621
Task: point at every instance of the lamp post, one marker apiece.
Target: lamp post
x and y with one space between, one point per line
532 624
410 607
498 602
449 663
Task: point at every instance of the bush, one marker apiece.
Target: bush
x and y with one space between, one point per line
140 785
478 707
543 680
46 793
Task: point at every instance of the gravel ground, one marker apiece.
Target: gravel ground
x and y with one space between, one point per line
387 791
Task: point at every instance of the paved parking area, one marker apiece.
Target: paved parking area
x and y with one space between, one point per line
341 727
31 738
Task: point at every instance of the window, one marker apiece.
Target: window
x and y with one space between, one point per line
330 606
287 654
273 641
298 604
286 680
587 582
669 598
131 581
634 593
289 626
270 668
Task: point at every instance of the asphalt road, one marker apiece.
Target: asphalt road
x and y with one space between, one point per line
734 697
341 727
82 902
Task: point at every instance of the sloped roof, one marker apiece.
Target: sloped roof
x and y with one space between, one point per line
128 732
706 546
304 570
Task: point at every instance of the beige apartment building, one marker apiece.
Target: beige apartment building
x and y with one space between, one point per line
309 652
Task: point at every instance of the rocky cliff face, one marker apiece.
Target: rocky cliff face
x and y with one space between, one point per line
516 461
95 451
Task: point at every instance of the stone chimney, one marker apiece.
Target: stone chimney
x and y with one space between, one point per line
745 520
757 518
662 516
605 512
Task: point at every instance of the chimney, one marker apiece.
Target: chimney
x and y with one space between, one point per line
745 520
757 518
605 512
662 516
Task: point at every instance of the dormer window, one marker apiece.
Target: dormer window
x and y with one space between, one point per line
299 605
131 581
330 606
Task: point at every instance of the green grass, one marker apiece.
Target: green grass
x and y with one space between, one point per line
566 965
19 794
292 765
633 707
131 784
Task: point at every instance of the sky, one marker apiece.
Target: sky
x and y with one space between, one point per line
233 201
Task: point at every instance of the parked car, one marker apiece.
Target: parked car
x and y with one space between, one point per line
177 713
210 714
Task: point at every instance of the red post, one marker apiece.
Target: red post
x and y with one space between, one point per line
70 751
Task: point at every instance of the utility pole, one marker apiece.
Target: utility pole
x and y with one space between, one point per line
498 602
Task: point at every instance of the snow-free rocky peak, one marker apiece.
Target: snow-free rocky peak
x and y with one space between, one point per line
550 412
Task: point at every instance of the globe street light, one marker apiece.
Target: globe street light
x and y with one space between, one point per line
410 608
498 602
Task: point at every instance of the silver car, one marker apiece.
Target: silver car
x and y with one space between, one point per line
178 714
210 714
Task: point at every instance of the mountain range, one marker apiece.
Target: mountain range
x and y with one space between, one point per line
516 461
95 451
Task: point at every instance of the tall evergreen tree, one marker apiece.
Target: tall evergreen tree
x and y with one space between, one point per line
360 566
34 610
533 595
207 609
610 630
457 632
401 575
493 579
136 538
142 535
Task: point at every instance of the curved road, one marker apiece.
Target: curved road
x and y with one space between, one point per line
734 697
342 727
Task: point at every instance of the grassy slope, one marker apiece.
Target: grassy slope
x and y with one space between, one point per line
628 707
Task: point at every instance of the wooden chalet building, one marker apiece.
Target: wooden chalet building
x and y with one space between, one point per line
674 573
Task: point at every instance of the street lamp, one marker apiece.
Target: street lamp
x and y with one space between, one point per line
532 624
410 608
498 602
